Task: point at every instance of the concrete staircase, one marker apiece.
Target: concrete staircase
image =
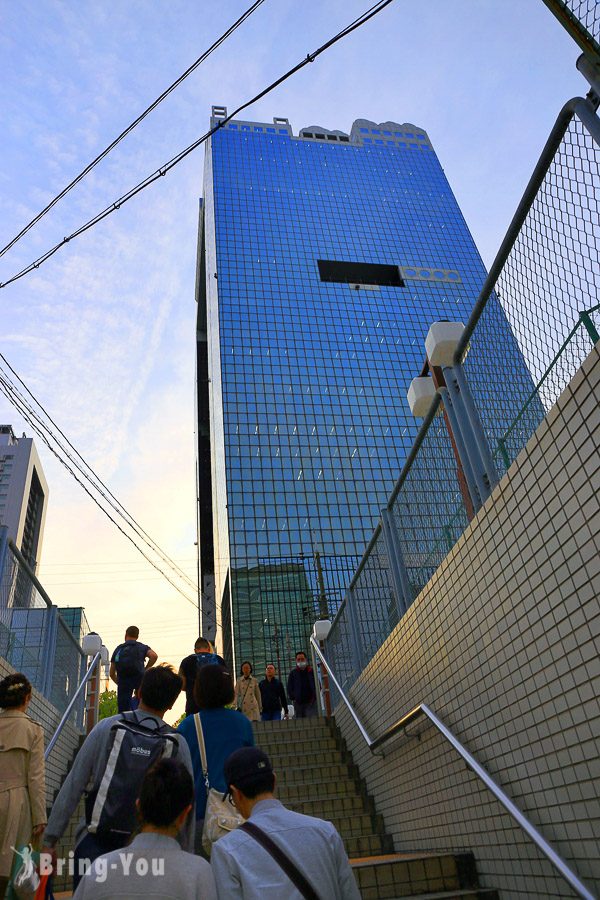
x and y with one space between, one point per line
316 776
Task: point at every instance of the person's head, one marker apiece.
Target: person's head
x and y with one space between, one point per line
301 660
160 688
246 669
132 633
249 777
213 687
15 691
270 671
203 645
166 796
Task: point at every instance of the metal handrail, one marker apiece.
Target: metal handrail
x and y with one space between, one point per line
69 708
557 861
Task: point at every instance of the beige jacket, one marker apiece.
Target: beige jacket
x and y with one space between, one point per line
248 698
22 783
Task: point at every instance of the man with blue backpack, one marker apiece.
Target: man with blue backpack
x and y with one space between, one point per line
203 655
127 667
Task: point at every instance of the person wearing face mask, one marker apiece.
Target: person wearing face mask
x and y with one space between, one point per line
301 688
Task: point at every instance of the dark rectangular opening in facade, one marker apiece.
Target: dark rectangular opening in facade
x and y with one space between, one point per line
359 273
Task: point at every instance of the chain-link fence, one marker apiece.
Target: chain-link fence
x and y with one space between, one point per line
34 639
548 287
536 320
581 18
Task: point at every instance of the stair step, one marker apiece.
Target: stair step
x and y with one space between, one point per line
287 730
308 759
324 807
355 825
305 776
415 874
468 894
368 845
314 765
327 790
297 748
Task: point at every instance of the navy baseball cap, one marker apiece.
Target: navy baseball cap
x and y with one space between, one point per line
245 764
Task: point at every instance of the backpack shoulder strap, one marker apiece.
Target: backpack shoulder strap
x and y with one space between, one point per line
290 869
109 771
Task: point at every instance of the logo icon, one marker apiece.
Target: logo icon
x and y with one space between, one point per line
140 751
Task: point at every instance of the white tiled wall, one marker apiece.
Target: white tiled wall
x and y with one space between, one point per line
504 645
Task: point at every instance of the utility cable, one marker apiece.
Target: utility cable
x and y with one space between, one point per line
133 125
10 392
26 410
103 490
39 431
162 171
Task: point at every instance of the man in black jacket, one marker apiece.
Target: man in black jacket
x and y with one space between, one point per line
273 697
301 688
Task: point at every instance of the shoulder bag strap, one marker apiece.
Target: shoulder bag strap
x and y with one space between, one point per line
202 748
290 869
246 691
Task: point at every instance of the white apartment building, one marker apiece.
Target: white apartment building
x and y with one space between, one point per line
23 493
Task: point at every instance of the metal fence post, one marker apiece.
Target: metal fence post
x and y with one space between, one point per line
3 548
401 584
464 445
586 321
49 650
487 476
357 655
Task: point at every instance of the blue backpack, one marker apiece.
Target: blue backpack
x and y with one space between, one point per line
209 659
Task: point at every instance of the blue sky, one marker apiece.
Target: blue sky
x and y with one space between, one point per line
104 332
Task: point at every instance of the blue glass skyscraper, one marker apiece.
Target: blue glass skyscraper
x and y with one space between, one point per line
323 259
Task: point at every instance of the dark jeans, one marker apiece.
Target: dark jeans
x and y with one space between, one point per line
125 689
271 716
305 710
90 848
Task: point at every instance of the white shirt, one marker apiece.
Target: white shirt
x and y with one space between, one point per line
244 870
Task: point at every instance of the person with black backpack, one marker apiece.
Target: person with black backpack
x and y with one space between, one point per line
109 769
127 666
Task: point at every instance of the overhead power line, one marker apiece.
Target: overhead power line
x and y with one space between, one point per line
162 171
92 484
85 469
133 125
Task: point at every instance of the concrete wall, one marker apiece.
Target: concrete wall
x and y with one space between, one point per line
43 712
504 645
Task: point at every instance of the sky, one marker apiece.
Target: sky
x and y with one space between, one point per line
104 332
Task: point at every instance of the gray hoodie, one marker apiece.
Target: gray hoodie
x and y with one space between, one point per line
86 774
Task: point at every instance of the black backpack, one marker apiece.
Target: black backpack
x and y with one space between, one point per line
133 748
128 660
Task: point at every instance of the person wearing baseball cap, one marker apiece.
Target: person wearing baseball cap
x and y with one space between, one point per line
291 855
